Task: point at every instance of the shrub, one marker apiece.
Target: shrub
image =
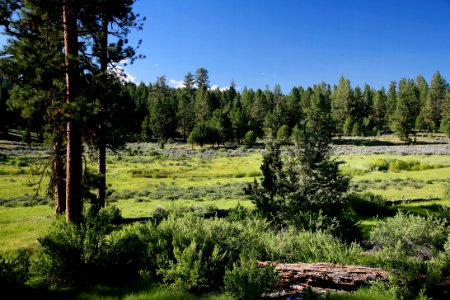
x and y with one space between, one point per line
414 235
293 245
249 281
14 269
192 253
283 134
88 253
250 138
379 165
408 276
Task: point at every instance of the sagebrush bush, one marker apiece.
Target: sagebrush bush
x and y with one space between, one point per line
192 253
293 246
415 235
246 280
408 275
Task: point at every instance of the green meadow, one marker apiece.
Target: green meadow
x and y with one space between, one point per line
143 179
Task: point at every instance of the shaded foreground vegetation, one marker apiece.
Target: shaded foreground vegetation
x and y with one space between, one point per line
182 250
179 253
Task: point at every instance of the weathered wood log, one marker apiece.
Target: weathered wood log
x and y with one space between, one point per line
296 278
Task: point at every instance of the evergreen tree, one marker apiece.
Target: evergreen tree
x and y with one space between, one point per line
391 103
305 189
379 109
257 113
163 119
34 66
436 95
202 78
293 107
341 97
189 81
238 120
407 108
186 112
202 105
422 87
100 20
445 115
356 111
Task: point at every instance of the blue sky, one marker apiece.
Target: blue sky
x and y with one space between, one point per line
293 42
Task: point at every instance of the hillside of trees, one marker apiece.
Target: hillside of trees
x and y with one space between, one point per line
60 83
201 115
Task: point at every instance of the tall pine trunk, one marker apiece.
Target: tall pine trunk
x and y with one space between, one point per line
74 142
101 187
59 176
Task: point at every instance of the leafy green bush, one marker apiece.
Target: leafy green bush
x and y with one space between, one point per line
250 138
88 253
293 245
192 253
283 134
408 275
249 281
14 269
414 235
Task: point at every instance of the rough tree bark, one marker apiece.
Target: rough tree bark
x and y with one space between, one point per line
58 178
101 187
74 142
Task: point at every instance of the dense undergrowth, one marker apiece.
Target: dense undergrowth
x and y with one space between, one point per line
183 250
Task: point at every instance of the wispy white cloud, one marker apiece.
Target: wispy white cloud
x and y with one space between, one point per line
178 84
217 87
119 70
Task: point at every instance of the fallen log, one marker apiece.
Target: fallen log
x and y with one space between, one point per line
323 277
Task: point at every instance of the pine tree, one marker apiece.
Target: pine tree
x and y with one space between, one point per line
379 109
163 119
407 108
202 105
436 95
34 66
304 189
238 120
391 103
202 78
341 97
102 19
422 87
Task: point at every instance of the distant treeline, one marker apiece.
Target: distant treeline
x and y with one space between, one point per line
203 115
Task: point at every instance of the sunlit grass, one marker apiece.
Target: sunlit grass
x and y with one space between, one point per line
158 174
21 226
141 291
133 209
